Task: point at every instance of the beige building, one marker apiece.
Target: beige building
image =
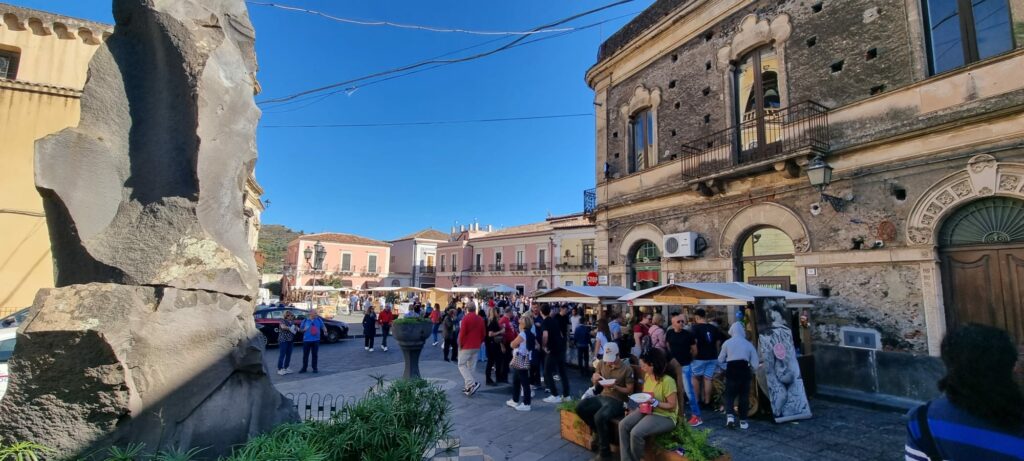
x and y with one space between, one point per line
718 121
44 60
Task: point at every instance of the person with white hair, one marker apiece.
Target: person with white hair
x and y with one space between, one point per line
599 411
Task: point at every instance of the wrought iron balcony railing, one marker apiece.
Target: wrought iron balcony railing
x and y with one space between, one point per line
518 267
574 262
370 270
763 137
540 266
426 270
476 268
589 201
497 268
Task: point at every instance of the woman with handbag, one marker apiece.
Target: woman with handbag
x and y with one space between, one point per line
522 348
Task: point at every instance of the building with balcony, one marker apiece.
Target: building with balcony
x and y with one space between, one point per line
529 258
351 261
414 259
715 116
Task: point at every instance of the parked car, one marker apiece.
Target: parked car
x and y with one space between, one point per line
269 322
7 337
14 319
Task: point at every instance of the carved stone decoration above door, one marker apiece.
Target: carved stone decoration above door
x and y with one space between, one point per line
984 176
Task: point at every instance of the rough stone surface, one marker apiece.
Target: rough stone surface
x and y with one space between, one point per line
149 337
112 364
151 180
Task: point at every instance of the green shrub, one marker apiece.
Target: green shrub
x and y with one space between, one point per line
24 451
568 405
405 320
694 443
398 423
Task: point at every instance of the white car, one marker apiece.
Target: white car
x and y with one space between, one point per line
7 337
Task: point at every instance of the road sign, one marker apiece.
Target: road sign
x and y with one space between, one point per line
592 279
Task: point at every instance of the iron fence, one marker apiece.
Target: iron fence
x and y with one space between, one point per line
319 407
771 134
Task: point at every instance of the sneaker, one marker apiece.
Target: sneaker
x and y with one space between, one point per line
366 348
695 421
435 343
385 348
371 349
730 422
553 399
744 425
473 389
511 403
287 371
557 378
522 407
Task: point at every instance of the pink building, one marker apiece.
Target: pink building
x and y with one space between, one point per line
359 262
523 257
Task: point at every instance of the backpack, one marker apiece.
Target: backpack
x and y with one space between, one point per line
645 344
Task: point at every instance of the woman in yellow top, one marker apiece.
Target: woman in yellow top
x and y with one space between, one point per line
635 427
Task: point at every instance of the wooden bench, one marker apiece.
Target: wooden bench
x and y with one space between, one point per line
673 370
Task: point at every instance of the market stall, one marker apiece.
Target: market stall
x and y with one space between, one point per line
777 322
598 300
401 297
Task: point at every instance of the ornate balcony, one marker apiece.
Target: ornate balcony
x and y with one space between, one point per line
540 266
518 267
763 139
497 268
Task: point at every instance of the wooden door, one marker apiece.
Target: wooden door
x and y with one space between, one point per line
985 285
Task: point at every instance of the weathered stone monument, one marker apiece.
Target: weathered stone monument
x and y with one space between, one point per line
149 335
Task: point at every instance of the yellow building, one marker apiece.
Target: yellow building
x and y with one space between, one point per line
44 60
43 63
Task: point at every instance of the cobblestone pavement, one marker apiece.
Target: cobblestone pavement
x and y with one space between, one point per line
837 431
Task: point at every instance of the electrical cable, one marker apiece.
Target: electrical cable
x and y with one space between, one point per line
439 61
400 25
432 122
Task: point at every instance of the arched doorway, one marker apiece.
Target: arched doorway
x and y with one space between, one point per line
765 258
981 246
644 266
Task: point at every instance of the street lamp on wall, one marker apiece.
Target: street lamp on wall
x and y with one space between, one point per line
819 174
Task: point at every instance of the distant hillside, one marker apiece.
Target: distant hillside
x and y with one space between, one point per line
274 239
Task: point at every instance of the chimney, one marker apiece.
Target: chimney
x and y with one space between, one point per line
462 228
490 228
453 230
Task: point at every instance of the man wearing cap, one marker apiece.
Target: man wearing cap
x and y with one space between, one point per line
599 411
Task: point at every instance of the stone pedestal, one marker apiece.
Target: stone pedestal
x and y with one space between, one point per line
411 337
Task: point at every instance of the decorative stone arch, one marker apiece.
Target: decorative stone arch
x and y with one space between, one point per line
751 35
983 177
759 215
642 98
644 231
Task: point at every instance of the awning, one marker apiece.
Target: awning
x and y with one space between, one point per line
386 289
584 295
500 288
713 294
318 288
648 276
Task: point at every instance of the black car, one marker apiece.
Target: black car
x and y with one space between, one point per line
269 322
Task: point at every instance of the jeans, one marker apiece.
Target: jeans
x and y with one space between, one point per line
384 330
598 412
737 383
467 359
493 359
583 360
284 354
634 428
521 385
450 347
437 326
536 367
482 356
308 346
554 362
687 379
368 337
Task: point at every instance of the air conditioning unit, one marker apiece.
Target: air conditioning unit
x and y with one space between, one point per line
682 245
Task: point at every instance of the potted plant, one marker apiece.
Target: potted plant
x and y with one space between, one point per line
411 333
684 444
573 428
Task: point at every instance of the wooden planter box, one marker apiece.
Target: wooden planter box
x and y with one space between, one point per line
574 429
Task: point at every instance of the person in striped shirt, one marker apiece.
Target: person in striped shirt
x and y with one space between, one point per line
980 415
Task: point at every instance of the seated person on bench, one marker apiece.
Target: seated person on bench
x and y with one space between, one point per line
636 427
599 411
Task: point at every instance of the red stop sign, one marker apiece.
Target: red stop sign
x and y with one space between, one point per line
592 279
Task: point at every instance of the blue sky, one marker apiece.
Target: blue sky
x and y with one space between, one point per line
385 182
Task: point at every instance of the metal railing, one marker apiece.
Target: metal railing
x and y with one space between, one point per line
589 201
574 262
540 266
497 267
319 407
428 270
476 268
774 134
369 270
518 267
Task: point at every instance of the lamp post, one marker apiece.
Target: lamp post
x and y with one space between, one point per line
819 174
315 260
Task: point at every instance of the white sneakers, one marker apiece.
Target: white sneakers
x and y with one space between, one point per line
517 406
553 399
744 425
370 349
367 349
284 371
435 343
383 347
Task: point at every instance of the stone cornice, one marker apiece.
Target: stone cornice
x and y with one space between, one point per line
43 23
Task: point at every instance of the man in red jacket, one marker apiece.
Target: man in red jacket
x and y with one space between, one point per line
384 319
471 335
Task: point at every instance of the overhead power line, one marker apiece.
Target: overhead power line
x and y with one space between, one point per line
400 25
440 61
313 99
432 122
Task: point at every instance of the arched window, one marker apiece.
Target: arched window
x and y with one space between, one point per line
758 100
645 266
542 284
641 141
767 259
396 283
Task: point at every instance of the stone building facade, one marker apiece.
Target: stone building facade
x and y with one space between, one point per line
710 111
